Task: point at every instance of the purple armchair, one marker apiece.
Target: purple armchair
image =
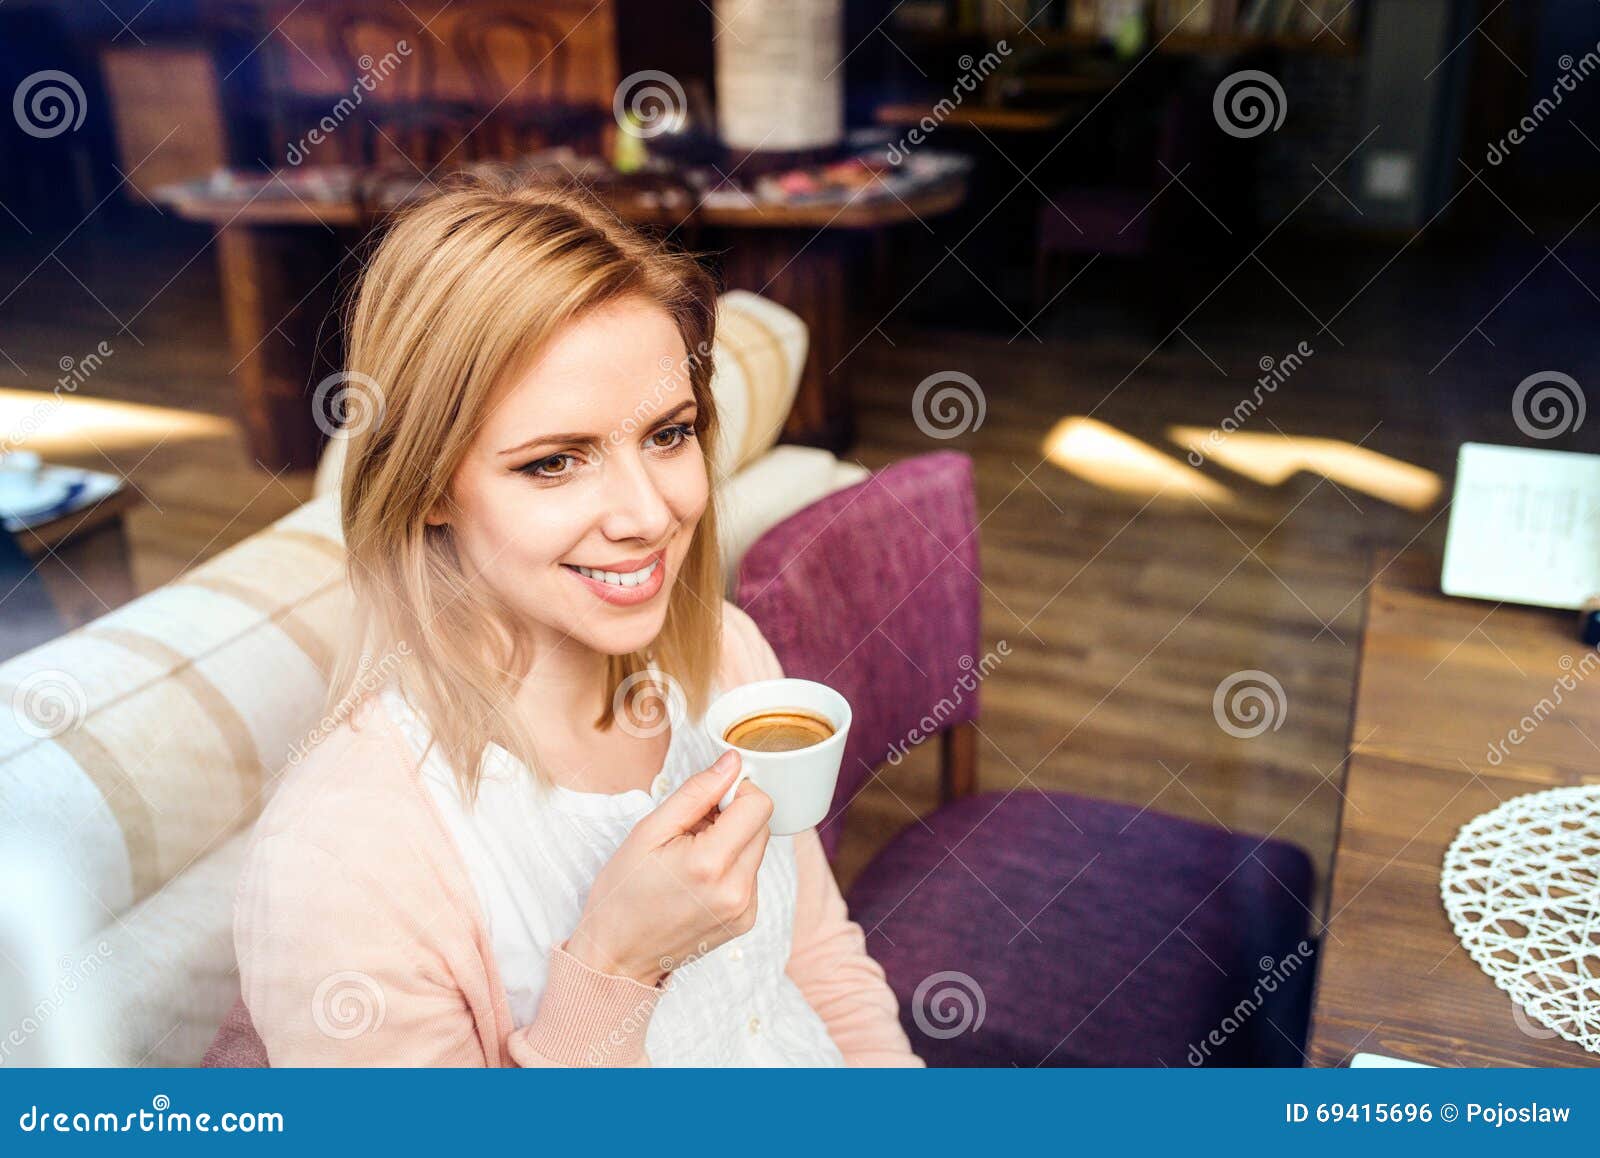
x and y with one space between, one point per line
1023 927
874 592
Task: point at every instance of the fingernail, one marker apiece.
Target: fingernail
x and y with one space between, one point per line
727 761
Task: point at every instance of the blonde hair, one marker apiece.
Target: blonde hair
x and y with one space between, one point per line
464 290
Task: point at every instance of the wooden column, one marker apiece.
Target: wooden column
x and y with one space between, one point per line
279 288
809 272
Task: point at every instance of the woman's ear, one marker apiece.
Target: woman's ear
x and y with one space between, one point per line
439 513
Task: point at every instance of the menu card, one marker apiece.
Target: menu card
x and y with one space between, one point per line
1524 526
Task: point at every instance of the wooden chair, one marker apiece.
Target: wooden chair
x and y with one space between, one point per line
525 96
167 110
406 116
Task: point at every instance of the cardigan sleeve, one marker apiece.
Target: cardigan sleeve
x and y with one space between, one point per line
586 1018
828 959
335 973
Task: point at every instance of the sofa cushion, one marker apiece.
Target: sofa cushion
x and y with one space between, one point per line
169 975
760 352
1046 929
785 480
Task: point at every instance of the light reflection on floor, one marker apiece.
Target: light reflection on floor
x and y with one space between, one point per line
1270 459
1105 456
1114 460
71 427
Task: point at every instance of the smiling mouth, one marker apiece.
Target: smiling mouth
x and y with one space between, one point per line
618 578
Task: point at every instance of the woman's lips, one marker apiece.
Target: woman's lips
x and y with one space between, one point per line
619 594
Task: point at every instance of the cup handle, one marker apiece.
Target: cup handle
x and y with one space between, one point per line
727 797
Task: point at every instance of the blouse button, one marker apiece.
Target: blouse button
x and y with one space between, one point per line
755 1025
658 786
736 953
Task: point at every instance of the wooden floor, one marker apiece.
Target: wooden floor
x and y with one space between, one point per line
1128 584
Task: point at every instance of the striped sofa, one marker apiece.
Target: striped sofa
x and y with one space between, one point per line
139 748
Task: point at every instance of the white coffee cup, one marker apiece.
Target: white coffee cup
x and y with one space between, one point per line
800 781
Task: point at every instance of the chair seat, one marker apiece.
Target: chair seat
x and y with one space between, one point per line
1089 933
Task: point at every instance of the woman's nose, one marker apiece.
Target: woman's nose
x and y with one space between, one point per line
635 506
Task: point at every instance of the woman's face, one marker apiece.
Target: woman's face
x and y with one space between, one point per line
580 494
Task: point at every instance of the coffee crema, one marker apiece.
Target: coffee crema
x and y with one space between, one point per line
779 730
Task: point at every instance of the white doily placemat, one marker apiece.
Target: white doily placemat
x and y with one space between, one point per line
1521 885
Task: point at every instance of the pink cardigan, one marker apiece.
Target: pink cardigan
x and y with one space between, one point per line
360 942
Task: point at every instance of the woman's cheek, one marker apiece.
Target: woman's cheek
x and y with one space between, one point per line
545 525
691 488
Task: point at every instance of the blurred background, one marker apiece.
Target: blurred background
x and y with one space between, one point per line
1211 292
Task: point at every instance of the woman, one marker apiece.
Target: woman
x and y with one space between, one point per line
493 859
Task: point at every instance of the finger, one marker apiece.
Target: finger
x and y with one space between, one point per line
748 862
737 825
704 822
695 799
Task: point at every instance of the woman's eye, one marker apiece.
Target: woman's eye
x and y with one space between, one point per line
671 437
555 466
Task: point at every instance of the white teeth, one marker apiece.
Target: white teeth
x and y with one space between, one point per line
619 578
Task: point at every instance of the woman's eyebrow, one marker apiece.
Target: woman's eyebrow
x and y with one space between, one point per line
568 438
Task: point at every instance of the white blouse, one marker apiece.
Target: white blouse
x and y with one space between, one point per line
533 852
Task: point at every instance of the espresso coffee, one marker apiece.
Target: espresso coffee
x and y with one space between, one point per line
779 730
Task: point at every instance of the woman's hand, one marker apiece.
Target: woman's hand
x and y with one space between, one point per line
682 883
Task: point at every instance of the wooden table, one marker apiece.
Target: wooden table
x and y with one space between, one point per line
981 118
283 268
83 557
1440 681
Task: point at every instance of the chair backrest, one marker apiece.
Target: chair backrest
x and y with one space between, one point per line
167 111
358 38
874 591
535 70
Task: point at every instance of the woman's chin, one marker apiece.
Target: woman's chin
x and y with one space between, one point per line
629 630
